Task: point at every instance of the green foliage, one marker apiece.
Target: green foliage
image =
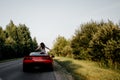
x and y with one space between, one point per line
62 47
106 45
34 43
81 39
67 51
25 39
97 41
2 42
16 41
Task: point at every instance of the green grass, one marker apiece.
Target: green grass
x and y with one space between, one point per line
87 70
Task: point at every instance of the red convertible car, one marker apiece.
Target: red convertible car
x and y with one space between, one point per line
37 60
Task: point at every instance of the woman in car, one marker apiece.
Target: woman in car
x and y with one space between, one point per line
42 48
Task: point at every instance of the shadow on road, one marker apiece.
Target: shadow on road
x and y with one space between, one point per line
38 70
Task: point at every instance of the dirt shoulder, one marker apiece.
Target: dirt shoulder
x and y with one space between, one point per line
61 73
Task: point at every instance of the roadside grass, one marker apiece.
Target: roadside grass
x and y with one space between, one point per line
87 70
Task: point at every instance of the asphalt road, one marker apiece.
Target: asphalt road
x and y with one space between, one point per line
12 70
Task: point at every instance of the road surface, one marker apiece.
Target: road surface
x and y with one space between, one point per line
12 70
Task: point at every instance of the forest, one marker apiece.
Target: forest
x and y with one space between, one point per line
16 41
94 41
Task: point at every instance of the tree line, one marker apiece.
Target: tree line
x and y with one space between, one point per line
96 41
16 41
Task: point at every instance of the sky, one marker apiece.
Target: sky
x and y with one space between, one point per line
47 19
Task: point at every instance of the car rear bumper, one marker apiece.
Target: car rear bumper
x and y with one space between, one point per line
38 64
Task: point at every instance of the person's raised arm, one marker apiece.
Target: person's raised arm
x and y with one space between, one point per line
47 48
37 48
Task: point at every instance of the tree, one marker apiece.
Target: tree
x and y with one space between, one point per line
106 44
67 51
11 30
59 45
25 39
35 44
2 42
12 40
81 39
16 41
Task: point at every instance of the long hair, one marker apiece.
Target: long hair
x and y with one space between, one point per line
42 45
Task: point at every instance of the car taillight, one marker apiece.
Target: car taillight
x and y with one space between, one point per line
28 58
